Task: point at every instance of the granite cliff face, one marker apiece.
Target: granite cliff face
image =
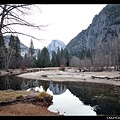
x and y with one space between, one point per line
53 46
105 27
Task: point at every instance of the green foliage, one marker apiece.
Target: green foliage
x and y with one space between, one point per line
54 59
31 49
14 43
58 57
2 50
44 60
82 53
38 58
66 56
2 42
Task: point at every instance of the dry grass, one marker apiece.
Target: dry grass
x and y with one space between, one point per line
25 109
43 94
9 95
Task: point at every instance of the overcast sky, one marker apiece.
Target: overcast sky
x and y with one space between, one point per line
65 22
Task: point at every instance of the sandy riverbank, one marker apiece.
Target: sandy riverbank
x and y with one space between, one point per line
73 75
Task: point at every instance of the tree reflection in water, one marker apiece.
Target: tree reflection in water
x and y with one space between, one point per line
103 98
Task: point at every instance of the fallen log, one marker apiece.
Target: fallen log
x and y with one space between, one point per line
104 77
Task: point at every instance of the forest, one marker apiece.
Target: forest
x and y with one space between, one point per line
98 59
11 58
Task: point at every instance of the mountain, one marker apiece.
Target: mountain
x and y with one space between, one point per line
105 28
53 46
24 49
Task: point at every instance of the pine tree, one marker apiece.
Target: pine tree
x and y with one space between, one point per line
54 59
58 57
61 53
16 58
66 55
3 50
12 42
2 42
31 53
45 58
38 58
31 49
17 48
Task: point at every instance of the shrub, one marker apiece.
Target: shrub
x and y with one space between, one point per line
43 95
19 96
23 67
62 67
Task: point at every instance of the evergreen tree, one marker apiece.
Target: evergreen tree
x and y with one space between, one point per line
54 59
66 55
2 42
45 58
31 53
16 57
12 42
58 57
3 50
31 49
12 46
61 53
17 48
38 58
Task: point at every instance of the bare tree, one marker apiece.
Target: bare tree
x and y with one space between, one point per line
7 56
10 16
13 14
116 53
75 62
87 63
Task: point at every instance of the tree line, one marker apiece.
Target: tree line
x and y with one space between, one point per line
99 59
105 56
11 57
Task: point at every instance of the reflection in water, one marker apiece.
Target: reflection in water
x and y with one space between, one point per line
24 86
71 98
68 104
37 89
35 83
56 90
7 83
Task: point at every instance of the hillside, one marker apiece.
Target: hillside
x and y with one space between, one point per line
104 30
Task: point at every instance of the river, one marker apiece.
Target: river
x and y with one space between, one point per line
72 98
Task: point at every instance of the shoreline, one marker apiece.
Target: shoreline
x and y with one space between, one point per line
105 77
70 74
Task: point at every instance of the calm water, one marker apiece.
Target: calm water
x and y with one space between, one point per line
72 98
